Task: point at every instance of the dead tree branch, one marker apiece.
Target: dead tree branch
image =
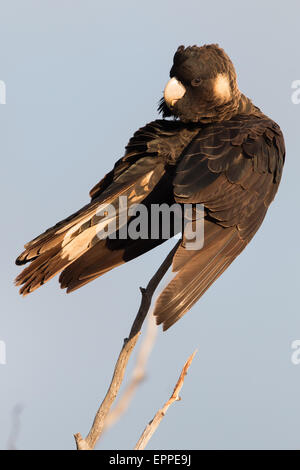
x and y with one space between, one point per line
96 430
153 425
137 376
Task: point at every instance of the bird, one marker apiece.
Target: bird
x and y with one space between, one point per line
211 146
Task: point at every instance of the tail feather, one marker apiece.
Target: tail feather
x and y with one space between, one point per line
69 240
98 260
53 236
101 258
64 252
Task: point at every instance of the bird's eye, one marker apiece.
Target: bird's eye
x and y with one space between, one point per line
196 81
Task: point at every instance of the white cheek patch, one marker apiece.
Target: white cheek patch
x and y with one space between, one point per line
222 87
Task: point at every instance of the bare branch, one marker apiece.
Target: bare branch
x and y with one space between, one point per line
153 425
129 343
137 376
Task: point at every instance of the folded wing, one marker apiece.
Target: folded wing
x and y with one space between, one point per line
232 168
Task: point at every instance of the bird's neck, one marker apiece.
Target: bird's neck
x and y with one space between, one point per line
245 106
239 104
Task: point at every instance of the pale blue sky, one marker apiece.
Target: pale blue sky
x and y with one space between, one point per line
81 77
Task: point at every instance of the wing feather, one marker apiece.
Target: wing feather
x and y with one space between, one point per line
233 168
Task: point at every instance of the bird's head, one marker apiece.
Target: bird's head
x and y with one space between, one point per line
202 87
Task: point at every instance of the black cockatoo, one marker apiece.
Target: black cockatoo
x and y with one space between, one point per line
218 149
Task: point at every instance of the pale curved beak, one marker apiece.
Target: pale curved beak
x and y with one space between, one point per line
174 90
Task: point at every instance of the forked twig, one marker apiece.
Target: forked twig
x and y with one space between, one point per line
96 430
153 425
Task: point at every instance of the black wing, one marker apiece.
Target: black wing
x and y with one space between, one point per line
73 247
234 169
